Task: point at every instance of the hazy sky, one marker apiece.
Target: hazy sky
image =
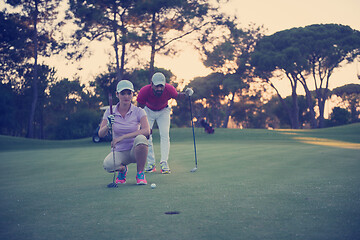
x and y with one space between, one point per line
277 15
274 15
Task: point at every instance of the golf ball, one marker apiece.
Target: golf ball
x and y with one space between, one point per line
153 185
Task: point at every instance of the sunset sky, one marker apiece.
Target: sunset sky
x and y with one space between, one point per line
277 15
274 15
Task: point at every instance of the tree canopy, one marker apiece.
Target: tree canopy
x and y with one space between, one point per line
229 53
46 107
307 55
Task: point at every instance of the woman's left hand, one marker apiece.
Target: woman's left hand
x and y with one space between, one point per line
116 140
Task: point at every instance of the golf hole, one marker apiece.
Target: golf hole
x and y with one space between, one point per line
172 212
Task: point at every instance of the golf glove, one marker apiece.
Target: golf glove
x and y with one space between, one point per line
110 121
189 92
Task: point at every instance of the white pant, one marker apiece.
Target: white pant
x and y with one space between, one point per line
162 119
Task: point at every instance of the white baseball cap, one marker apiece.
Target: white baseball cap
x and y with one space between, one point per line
123 85
158 79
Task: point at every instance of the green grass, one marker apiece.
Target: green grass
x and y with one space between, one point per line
251 184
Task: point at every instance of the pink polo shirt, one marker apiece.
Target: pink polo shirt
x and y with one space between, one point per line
129 124
147 97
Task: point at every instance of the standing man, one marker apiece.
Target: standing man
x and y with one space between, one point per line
154 99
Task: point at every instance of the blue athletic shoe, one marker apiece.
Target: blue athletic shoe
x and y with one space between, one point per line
121 178
140 178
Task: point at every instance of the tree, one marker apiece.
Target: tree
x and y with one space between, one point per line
16 101
334 45
46 76
71 112
273 54
277 115
18 72
107 19
14 47
339 116
301 53
350 94
249 112
208 96
181 113
36 14
167 21
7 109
230 55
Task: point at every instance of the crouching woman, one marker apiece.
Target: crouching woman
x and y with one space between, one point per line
130 129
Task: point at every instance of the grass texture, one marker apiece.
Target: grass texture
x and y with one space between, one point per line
250 184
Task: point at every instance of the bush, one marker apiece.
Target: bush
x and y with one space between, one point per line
78 125
339 116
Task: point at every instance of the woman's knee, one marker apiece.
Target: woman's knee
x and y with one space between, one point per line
108 167
108 163
141 140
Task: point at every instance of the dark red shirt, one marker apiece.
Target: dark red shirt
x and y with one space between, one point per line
147 97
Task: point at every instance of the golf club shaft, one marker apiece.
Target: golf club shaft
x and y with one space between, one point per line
113 152
112 134
192 125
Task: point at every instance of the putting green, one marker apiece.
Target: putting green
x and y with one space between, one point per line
250 184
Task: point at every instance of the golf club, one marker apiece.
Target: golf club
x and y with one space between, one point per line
113 184
192 125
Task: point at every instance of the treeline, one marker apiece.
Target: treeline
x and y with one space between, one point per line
245 65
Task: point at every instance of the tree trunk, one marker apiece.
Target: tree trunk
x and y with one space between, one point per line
42 135
153 47
321 103
322 94
353 112
30 133
294 117
309 101
152 62
295 111
228 111
283 103
116 49
122 66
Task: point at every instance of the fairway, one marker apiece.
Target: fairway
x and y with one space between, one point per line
250 184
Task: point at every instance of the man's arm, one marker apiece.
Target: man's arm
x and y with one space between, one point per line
187 92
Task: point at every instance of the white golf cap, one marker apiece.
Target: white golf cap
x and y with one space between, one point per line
123 85
158 79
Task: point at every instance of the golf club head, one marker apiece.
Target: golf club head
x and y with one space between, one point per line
194 169
112 185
